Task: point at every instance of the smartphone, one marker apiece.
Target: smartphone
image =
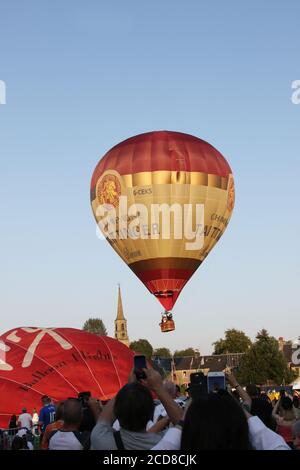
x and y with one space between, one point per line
83 397
139 365
216 381
198 385
197 378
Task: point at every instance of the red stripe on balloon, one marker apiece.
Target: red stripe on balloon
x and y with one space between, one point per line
165 274
165 284
162 150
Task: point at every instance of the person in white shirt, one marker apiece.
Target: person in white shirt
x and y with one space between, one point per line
24 422
260 437
217 421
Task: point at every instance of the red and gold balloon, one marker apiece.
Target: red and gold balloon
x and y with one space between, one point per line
165 167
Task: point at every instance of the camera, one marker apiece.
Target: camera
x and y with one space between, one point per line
84 397
88 420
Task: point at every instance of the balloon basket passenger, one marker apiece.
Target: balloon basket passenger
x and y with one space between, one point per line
167 323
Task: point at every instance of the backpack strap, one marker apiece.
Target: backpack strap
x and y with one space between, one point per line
83 438
118 439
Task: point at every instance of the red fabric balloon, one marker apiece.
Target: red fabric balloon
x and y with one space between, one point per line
58 362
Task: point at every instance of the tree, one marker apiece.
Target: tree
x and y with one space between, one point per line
235 341
264 363
185 352
162 352
142 346
96 326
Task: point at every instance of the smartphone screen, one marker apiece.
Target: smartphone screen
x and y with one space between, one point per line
139 365
215 381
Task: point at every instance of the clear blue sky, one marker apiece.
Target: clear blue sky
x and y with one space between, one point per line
80 77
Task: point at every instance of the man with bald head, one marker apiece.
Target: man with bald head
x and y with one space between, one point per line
69 437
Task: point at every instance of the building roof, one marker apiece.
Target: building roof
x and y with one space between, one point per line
215 363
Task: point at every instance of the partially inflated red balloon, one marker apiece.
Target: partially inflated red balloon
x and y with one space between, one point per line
60 363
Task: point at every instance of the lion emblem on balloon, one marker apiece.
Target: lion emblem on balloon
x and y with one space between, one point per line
109 190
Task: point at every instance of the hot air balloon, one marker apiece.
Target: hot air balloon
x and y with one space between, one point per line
60 363
150 176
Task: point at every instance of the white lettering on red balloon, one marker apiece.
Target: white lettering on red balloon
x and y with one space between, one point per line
3 350
30 352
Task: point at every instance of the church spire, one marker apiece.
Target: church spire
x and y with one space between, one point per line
120 314
120 322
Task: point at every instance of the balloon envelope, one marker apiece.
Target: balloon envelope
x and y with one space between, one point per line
163 168
58 362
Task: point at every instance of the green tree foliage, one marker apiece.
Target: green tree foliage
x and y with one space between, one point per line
235 341
96 326
162 352
264 363
142 346
185 352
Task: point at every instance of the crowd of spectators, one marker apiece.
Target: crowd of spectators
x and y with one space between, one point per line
153 414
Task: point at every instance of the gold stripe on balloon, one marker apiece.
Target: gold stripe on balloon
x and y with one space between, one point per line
147 178
218 209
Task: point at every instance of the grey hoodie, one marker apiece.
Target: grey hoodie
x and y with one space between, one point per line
102 438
